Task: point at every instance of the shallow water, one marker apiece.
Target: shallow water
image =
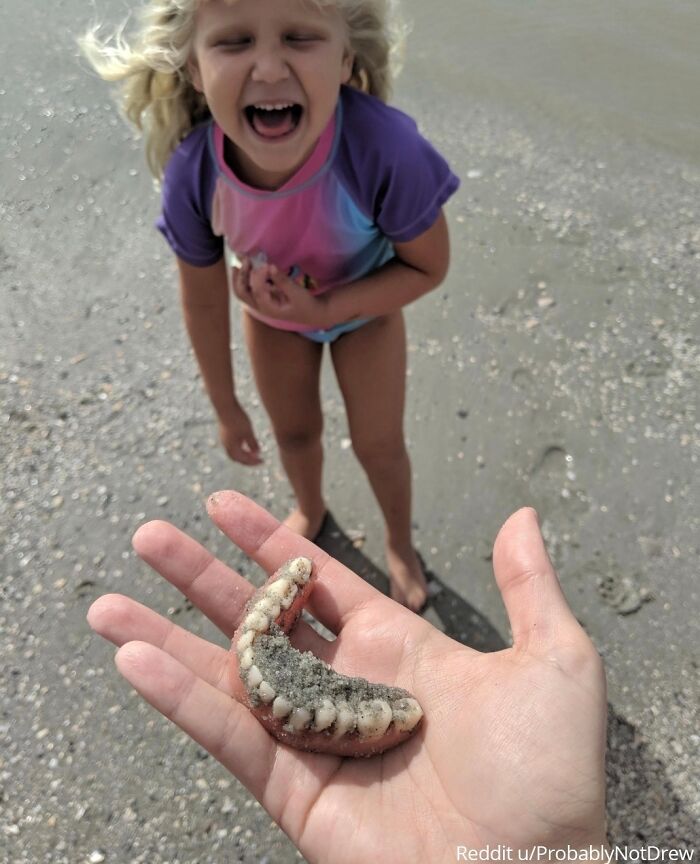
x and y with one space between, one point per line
629 66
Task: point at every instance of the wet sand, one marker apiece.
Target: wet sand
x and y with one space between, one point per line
557 366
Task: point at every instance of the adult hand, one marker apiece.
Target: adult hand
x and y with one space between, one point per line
511 750
239 440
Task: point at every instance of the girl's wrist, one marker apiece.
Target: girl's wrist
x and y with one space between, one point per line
229 414
323 314
331 310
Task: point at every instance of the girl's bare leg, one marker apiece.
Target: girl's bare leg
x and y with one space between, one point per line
287 368
370 364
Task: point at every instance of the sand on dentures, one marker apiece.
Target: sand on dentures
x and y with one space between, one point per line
300 699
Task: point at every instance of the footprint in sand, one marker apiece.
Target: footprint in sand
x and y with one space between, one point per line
522 379
621 591
561 502
552 462
553 480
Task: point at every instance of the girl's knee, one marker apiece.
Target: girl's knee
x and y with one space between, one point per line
389 450
293 440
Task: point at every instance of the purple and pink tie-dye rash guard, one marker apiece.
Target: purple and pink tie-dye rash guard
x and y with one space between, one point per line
372 180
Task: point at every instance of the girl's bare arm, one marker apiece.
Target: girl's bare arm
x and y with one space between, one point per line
204 293
205 304
419 266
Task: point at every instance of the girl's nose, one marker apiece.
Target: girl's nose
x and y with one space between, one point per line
269 66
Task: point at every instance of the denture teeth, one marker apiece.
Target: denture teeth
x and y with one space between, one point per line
269 607
406 714
324 716
266 692
354 717
345 719
281 707
278 590
257 621
300 570
287 601
299 719
246 659
373 718
254 677
245 641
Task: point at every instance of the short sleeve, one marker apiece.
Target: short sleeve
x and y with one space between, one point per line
397 177
415 184
188 190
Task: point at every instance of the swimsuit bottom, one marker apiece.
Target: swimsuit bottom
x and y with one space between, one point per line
333 333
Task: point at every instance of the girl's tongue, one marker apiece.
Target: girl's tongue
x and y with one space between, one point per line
273 123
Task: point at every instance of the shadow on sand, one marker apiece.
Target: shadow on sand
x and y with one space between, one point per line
459 619
643 809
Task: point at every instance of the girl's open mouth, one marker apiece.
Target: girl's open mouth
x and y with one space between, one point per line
274 121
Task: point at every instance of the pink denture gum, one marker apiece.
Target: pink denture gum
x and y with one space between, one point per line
298 698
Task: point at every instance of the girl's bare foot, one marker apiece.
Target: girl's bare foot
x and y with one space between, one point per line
308 525
408 585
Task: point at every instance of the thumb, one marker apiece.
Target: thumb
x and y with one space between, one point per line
537 609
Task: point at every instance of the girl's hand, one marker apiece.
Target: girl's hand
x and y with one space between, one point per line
239 440
277 296
240 282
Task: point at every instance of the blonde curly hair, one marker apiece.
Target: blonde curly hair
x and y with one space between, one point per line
158 96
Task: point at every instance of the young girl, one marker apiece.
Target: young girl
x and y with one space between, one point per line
287 178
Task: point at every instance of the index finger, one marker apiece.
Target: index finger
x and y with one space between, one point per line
214 588
338 592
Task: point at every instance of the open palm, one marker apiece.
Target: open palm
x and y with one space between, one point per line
511 750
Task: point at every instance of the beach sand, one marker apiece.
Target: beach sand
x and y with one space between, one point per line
557 366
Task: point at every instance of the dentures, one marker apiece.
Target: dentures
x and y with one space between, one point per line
298 698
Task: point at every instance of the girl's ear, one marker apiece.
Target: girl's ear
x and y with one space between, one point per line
348 66
195 74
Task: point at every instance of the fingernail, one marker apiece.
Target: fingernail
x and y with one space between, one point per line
213 500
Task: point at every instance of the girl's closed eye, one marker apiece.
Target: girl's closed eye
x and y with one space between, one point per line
302 38
232 41
240 43
233 44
